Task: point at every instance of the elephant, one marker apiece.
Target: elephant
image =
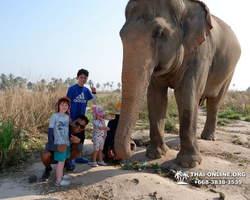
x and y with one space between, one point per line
173 44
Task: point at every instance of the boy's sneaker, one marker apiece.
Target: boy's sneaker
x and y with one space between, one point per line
81 160
46 174
94 164
69 168
66 177
72 164
62 183
102 163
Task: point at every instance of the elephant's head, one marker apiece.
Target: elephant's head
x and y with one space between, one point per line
158 36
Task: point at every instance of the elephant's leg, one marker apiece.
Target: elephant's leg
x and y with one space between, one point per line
157 106
208 132
213 104
189 155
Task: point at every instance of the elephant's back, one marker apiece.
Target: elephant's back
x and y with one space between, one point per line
224 33
224 40
225 52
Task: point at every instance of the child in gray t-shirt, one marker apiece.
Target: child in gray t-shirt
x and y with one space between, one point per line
58 134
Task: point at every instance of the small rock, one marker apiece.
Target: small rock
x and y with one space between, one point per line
212 190
32 178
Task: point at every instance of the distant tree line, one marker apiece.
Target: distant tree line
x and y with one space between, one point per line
12 82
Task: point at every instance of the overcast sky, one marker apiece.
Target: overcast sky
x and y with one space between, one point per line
55 38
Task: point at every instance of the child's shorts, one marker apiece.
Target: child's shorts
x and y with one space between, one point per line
61 157
98 144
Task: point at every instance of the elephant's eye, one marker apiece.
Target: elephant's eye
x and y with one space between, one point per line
157 33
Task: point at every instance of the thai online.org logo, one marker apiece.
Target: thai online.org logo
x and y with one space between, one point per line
181 177
212 178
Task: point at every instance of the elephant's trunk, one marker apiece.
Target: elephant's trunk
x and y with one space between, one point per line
136 74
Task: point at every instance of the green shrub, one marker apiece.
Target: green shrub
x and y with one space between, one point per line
247 119
142 125
223 122
234 116
172 113
88 114
143 115
225 113
229 114
246 111
170 126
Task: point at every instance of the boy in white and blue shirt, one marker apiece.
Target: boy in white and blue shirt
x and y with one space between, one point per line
79 96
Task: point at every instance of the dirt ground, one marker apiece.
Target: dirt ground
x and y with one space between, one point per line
229 153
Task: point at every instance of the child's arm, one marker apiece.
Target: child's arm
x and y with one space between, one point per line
93 91
51 144
94 99
53 147
104 128
70 120
99 126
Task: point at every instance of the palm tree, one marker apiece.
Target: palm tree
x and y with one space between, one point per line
67 81
42 85
29 86
19 82
5 83
54 81
111 86
119 85
11 78
98 85
70 81
107 84
90 82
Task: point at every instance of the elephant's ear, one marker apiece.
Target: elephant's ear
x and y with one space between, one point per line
196 25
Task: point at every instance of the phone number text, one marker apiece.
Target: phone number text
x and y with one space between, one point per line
219 182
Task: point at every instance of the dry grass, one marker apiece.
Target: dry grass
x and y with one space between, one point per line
238 101
37 107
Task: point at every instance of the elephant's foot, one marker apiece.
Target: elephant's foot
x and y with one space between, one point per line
208 135
189 159
157 151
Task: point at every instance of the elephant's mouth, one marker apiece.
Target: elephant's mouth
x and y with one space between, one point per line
158 70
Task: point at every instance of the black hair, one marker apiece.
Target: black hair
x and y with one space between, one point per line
83 71
82 117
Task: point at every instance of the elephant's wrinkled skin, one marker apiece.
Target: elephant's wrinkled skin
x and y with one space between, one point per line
173 44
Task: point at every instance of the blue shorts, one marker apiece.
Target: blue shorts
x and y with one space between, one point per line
61 157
